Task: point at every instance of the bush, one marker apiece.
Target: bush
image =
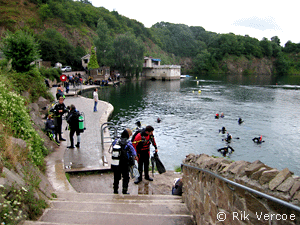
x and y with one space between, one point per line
36 89
14 116
50 73
22 48
19 204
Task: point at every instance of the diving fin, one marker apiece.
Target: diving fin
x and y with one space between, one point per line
159 165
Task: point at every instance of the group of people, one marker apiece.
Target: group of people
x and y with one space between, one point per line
53 125
228 149
73 80
137 148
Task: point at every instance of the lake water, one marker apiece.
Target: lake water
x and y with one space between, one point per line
188 123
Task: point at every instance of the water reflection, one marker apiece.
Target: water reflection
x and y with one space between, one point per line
188 124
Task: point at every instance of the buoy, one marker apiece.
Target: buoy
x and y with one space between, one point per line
197 82
199 91
196 78
193 91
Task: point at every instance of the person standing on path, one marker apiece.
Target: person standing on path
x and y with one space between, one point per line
95 96
73 121
141 144
125 152
59 110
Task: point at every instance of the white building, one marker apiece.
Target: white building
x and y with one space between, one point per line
85 60
154 71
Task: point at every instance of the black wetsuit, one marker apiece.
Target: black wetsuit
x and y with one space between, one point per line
240 121
224 150
58 119
257 140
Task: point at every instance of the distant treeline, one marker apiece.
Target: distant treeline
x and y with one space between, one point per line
168 41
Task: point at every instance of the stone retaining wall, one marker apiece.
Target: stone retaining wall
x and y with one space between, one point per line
212 201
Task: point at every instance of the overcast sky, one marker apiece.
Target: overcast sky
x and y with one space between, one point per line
256 18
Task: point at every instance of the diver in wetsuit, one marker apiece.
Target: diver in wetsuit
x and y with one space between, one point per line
223 130
240 121
258 140
225 150
228 138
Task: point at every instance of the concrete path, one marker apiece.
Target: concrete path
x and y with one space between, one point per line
89 156
71 207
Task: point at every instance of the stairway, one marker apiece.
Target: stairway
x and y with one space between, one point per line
92 208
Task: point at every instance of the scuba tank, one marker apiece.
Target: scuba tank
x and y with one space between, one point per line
116 153
81 123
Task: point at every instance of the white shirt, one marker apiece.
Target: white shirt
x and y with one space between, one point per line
95 96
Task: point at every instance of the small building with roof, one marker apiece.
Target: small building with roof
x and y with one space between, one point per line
85 60
152 70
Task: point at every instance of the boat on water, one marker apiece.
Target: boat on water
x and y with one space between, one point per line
184 76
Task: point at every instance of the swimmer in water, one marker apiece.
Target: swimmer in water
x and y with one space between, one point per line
226 151
223 130
217 116
228 138
240 121
258 140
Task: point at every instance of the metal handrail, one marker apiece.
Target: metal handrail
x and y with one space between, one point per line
103 127
269 197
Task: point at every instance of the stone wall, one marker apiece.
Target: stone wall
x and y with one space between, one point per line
164 72
212 201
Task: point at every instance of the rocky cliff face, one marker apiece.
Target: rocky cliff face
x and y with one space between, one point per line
246 66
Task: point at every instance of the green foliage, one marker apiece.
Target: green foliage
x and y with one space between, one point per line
103 42
291 47
19 204
14 114
203 62
282 65
12 205
178 169
22 48
175 38
170 42
21 81
266 47
56 48
128 54
93 64
45 12
50 73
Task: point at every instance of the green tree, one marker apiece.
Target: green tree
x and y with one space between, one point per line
22 48
203 62
266 46
103 43
282 65
128 54
291 47
56 48
93 63
276 40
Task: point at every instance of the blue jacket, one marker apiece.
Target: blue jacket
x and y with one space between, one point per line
129 148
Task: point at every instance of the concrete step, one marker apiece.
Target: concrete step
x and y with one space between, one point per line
96 197
91 208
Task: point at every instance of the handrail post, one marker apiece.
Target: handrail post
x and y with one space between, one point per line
103 127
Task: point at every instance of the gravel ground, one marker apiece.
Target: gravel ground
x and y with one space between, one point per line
103 183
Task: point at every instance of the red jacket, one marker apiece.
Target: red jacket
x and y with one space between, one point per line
142 142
